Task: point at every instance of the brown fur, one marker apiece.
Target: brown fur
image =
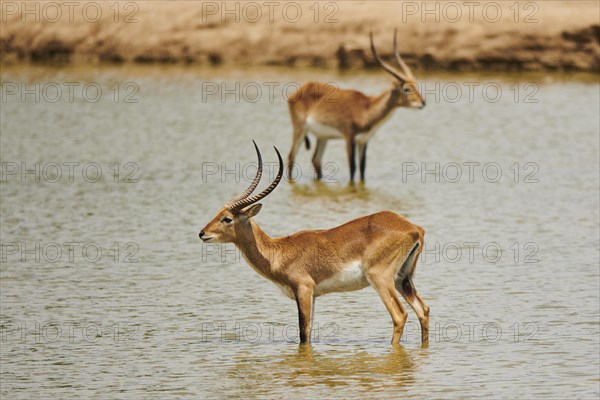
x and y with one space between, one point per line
381 242
348 111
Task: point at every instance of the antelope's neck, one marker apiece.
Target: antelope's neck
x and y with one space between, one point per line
258 250
381 107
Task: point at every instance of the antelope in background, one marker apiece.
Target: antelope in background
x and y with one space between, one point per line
332 113
380 250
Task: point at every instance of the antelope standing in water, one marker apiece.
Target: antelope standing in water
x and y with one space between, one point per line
380 250
332 113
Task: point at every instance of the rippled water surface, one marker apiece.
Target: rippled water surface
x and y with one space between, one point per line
137 307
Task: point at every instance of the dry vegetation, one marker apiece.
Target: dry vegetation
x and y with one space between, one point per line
566 35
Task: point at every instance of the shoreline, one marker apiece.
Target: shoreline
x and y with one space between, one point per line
566 37
240 72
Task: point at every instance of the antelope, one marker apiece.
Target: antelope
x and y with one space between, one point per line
380 250
332 113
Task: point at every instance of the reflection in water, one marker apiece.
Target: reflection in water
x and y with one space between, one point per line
320 189
368 368
309 366
349 201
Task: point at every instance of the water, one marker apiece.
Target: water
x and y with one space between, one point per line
510 270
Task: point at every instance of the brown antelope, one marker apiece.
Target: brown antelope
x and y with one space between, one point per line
332 113
380 250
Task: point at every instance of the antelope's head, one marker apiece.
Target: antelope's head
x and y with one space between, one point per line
405 88
233 220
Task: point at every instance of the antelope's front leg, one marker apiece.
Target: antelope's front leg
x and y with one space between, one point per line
304 300
351 150
362 155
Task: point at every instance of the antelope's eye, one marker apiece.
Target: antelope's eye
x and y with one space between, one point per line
227 220
407 89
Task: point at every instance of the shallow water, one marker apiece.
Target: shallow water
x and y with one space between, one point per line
138 307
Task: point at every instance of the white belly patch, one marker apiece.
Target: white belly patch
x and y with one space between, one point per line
322 131
351 278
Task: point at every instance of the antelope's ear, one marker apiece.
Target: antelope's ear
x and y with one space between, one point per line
252 210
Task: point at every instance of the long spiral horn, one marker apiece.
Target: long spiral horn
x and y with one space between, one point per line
404 67
237 206
396 74
254 183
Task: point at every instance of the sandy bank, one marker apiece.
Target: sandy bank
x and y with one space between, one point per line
455 35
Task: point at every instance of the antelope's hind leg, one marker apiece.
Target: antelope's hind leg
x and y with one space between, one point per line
299 135
408 291
318 156
387 292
